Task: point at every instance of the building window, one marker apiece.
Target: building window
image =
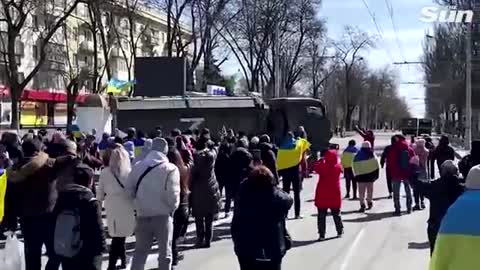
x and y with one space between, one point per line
35 22
35 51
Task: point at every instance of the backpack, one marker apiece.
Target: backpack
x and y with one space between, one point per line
67 238
404 160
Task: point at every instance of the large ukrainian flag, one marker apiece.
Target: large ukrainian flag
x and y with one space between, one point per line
289 155
458 240
3 190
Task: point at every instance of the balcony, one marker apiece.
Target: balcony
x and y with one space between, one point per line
53 66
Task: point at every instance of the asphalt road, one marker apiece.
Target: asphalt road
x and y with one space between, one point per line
374 240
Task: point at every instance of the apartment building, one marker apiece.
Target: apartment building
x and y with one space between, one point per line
77 49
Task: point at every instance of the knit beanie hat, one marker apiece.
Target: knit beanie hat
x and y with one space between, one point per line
473 178
160 145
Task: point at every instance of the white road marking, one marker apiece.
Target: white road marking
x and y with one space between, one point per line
351 251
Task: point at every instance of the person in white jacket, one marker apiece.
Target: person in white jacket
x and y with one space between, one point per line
154 183
118 203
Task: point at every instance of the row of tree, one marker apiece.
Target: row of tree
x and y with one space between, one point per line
278 44
444 64
372 95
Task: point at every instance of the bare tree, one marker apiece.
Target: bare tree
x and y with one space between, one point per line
353 42
47 18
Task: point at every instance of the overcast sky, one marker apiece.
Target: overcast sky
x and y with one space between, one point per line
411 33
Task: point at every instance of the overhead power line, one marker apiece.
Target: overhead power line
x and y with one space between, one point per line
378 28
391 14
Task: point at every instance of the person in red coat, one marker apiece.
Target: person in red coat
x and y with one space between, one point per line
328 194
399 156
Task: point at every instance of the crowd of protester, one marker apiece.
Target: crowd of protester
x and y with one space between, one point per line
152 187
149 188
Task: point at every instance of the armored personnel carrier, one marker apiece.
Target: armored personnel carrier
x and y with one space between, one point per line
249 114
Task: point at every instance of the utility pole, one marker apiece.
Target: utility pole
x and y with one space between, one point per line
468 83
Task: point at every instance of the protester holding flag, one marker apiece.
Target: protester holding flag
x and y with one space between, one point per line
458 239
4 164
290 155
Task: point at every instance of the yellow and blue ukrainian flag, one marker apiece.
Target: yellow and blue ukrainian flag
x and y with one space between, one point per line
290 154
458 240
347 156
365 166
3 191
138 143
116 86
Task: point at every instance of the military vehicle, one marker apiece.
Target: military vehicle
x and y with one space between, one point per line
249 114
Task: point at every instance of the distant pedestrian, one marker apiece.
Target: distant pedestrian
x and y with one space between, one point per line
422 153
205 193
267 153
385 162
222 166
442 153
328 194
366 170
84 253
399 157
154 183
347 163
180 217
367 135
259 232
119 205
240 166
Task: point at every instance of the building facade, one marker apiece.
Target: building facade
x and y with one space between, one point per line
76 50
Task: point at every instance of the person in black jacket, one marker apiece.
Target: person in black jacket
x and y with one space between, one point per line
442 153
469 161
222 165
240 165
442 193
268 155
80 196
258 229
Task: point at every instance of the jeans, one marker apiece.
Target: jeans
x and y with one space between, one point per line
149 228
418 197
117 251
396 194
94 263
350 181
365 189
254 264
204 226
229 197
180 221
291 177
38 231
321 220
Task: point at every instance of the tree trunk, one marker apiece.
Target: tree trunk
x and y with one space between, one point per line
348 118
15 124
72 93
